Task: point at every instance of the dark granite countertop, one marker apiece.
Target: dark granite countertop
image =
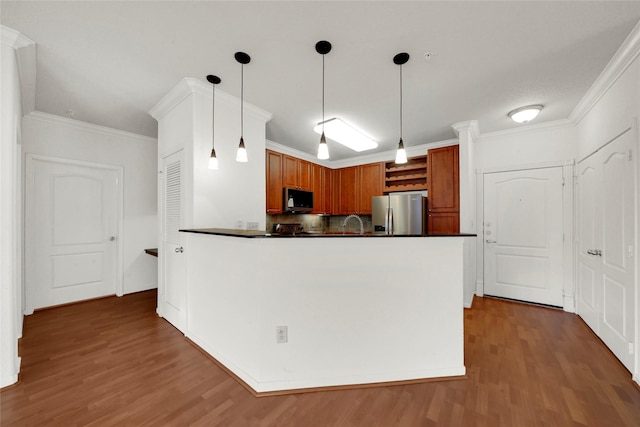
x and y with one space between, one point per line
260 234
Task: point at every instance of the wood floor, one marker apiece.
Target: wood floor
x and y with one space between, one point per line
113 362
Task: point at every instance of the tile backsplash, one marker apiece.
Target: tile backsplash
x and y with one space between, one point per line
319 223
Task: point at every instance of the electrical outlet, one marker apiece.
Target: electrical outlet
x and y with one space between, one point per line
282 335
252 225
239 224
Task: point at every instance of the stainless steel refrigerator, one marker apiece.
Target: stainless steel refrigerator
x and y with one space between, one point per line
399 214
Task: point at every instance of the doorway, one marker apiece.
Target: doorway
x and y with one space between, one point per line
73 220
523 241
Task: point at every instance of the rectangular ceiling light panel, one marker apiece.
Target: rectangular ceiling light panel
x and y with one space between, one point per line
338 131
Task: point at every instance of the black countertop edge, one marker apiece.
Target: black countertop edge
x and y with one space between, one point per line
260 234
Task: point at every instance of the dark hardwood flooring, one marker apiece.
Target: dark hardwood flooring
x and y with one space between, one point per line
113 362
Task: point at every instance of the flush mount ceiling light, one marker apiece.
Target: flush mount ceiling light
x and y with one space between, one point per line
346 135
213 160
401 154
241 155
323 47
525 114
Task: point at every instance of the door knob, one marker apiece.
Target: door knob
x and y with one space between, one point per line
180 249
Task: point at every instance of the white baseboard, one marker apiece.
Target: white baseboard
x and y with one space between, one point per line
480 288
469 303
569 302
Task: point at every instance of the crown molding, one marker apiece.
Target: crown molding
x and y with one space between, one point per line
472 125
538 127
188 86
274 146
384 156
90 127
622 59
25 49
14 39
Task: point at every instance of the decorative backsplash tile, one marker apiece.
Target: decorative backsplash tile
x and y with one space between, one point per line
320 223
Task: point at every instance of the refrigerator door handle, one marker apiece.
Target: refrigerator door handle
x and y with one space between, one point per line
386 222
390 229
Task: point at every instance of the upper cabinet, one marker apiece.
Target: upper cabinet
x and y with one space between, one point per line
444 190
321 187
274 182
354 186
370 183
296 173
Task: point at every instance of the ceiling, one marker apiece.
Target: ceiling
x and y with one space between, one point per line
111 62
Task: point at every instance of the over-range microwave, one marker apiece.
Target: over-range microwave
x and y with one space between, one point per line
297 201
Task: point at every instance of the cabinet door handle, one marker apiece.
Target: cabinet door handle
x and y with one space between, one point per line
490 241
180 249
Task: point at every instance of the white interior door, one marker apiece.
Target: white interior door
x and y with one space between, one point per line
523 235
72 215
172 292
606 292
589 214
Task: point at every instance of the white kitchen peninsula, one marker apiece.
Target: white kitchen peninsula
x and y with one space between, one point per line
358 310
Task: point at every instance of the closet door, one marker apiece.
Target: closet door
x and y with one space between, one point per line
616 248
589 283
172 287
606 268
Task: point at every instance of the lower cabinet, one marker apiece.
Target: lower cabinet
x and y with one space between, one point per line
443 223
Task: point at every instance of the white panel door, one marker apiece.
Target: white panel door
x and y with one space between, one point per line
589 214
71 230
172 292
606 291
523 235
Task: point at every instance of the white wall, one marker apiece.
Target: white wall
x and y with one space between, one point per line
390 313
237 190
615 111
526 147
56 136
10 225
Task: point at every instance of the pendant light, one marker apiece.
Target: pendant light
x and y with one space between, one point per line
241 155
401 154
323 47
213 160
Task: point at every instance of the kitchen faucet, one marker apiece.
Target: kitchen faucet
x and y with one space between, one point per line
344 224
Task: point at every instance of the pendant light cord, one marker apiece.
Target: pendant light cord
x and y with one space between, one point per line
213 119
322 93
400 101
241 100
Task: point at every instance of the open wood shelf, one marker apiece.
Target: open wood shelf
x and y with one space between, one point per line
411 176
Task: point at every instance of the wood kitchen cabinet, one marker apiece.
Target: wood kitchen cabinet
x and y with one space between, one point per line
354 186
274 182
321 187
370 183
296 173
443 184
